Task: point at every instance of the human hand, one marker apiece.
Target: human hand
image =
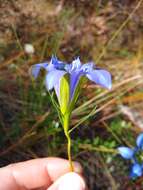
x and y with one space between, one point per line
41 174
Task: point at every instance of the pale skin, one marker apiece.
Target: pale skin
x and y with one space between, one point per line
41 174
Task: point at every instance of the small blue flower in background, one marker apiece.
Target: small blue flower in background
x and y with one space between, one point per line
132 154
56 69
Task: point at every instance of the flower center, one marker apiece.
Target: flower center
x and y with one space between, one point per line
139 156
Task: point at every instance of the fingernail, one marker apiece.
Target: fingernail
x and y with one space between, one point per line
77 167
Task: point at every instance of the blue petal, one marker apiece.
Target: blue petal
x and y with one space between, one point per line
136 170
68 68
53 78
126 152
101 77
139 141
36 69
74 79
50 67
57 63
54 60
88 67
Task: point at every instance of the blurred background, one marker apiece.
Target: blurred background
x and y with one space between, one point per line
109 32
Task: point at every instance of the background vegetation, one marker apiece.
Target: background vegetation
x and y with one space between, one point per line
107 32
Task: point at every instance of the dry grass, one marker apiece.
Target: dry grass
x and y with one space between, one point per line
67 29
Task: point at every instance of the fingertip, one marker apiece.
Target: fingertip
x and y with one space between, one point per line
58 167
69 181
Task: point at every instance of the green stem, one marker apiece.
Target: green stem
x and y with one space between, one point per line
67 134
99 149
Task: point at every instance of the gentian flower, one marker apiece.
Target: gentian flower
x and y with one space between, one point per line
66 80
133 154
57 69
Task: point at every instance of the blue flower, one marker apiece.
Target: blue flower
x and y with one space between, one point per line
136 170
131 154
56 69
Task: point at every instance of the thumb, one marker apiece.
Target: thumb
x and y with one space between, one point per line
70 181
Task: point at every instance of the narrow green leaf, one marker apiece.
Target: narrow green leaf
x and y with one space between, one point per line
64 94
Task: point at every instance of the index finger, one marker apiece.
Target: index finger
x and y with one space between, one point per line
34 173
